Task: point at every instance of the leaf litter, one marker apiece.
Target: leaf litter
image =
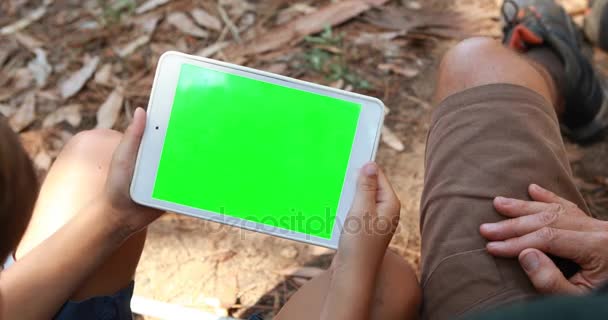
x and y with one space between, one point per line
205 19
40 68
327 16
77 80
104 75
110 110
70 114
150 5
184 24
24 22
25 115
391 139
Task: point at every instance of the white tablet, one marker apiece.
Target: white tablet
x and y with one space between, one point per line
253 149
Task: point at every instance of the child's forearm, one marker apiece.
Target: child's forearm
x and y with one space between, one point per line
351 291
36 286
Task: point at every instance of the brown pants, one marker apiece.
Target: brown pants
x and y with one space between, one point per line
484 142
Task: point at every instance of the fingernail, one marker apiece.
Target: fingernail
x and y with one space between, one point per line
494 245
370 169
502 201
535 187
530 261
488 226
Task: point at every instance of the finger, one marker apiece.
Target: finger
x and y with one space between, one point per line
563 243
555 218
126 152
516 208
386 195
367 188
388 205
544 274
135 131
541 194
512 228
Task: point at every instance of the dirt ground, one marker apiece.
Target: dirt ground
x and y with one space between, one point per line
234 272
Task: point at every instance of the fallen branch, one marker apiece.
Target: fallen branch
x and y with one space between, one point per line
328 16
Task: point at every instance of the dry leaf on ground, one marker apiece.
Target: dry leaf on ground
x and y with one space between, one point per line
104 75
247 21
70 114
391 139
50 95
405 71
278 68
424 104
328 16
40 68
25 115
338 84
110 110
7 49
413 5
149 5
7 110
212 49
205 19
42 161
28 41
183 23
76 81
433 23
294 11
56 140
237 8
128 49
22 79
148 25
382 41
374 37
27 20
33 141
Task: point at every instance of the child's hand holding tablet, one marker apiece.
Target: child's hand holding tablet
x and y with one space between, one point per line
229 144
253 149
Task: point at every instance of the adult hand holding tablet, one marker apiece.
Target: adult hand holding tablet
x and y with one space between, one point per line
253 149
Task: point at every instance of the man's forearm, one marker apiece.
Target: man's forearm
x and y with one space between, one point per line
47 276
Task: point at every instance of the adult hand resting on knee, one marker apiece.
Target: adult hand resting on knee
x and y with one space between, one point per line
368 229
550 225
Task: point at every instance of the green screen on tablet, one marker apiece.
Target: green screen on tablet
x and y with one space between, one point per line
257 151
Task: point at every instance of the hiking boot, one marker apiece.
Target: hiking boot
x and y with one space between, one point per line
544 23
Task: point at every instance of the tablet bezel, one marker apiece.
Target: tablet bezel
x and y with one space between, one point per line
364 147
